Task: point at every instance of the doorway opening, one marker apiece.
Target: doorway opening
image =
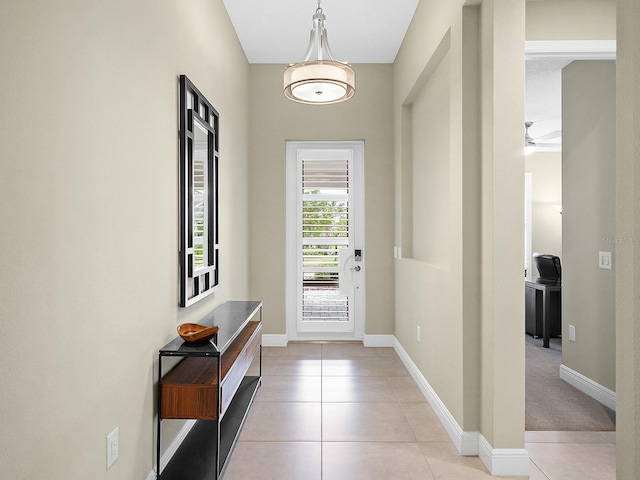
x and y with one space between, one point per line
556 180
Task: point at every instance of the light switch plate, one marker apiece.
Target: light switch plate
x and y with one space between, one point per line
605 260
572 333
113 448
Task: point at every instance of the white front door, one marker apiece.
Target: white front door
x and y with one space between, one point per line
325 244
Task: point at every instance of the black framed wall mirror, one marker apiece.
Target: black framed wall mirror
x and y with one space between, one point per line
198 144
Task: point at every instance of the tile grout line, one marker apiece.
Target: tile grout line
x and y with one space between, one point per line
539 468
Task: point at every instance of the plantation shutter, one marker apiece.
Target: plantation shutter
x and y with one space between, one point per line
325 230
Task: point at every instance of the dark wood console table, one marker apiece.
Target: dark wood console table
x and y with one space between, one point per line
210 385
551 308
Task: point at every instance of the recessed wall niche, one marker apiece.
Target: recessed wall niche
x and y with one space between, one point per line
426 168
198 145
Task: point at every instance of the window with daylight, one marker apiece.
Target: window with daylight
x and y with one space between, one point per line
199 246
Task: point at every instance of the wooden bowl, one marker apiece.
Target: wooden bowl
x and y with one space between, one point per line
194 333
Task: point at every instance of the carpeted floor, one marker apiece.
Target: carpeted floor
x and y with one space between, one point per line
553 404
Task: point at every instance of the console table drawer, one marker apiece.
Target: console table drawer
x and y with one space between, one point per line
190 390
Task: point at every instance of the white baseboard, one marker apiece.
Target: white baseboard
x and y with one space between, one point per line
468 443
274 340
504 461
378 340
281 340
585 384
465 442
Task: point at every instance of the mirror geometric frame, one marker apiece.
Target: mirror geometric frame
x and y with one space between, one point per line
198 246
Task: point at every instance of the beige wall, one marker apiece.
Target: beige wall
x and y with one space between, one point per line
502 220
431 169
428 277
274 120
627 260
588 218
444 298
546 198
88 203
571 20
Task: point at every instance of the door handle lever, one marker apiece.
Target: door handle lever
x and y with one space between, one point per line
355 269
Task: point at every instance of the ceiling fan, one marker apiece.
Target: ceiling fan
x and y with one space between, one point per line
531 144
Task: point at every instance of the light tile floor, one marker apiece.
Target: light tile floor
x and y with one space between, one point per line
340 411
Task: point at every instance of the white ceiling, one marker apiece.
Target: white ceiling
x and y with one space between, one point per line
543 98
371 31
360 31
543 88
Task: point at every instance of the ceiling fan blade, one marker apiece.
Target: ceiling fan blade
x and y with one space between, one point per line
548 136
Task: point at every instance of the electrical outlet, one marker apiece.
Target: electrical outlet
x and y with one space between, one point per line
572 333
113 448
418 333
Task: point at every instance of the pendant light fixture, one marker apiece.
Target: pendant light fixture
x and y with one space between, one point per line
323 80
